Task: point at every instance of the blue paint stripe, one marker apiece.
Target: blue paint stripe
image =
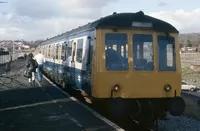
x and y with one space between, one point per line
75 77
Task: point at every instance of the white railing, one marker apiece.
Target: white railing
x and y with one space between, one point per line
6 58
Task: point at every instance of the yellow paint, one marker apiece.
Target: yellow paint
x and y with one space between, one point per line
134 84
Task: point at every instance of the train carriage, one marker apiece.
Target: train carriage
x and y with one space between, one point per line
127 61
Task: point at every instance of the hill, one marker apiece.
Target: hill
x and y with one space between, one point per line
190 38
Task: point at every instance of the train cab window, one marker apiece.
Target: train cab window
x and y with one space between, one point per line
79 50
166 53
116 51
143 52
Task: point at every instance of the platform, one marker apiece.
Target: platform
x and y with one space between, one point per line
43 107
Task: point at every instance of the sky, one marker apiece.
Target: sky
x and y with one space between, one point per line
41 19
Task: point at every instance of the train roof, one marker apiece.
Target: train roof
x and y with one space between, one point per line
121 20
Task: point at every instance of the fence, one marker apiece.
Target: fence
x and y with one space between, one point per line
7 57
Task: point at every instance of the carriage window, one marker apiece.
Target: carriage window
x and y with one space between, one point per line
57 51
143 52
46 52
53 51
166 53
49 52
69 49
63 55
116 50
79 51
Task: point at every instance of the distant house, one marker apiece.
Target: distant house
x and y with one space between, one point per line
26 46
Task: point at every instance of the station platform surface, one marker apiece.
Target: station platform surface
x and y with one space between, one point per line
43 106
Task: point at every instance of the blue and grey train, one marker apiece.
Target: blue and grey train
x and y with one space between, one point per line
129 62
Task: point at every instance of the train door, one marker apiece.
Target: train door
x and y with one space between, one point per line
72 70
79 69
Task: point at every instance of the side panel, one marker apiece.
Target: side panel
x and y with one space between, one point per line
79 75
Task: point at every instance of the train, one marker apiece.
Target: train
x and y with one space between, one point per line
127 62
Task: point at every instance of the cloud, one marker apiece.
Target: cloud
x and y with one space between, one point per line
30 29
163 3
184 21
38 19
41 19
59 8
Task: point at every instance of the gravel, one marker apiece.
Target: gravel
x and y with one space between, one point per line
191 76
181 123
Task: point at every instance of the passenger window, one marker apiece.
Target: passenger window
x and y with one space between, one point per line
143 56
79 50
69 49
116 51
46 53
49 52
166 53
52 51
57 50
63 55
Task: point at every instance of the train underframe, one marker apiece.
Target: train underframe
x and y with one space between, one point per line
143 111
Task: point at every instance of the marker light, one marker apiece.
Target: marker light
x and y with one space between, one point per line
116 88
167 87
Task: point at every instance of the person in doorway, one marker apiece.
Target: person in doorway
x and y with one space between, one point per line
31 65
40 60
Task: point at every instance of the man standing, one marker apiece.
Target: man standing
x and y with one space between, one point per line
40 60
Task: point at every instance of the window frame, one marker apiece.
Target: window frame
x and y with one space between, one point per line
172 37
57 51
63 51
49 51
69 49
126 52
79 41
133 53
